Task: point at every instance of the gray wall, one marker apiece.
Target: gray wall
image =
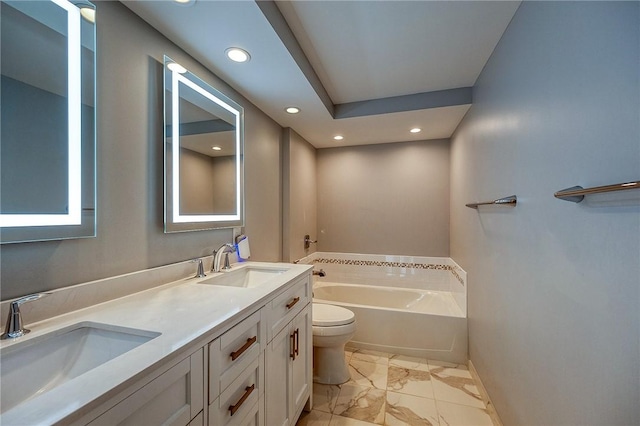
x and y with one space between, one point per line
196 175
299 188
385 199
207 184
130 158
554 323
27 161
224 194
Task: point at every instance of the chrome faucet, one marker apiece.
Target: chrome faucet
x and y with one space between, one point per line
14 322
217 257
200 273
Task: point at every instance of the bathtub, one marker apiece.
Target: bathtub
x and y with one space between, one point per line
412 306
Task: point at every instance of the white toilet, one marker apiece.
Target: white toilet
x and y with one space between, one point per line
333 327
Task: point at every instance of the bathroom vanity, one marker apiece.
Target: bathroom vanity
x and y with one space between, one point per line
232 348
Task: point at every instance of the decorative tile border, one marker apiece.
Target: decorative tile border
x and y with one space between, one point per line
458 277
431 266
384 263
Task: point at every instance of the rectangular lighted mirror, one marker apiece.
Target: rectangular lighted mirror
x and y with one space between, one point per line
203 154
47 145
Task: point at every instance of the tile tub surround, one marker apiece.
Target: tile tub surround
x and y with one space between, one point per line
417 392
205 311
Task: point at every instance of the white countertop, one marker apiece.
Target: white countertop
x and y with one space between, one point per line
182 311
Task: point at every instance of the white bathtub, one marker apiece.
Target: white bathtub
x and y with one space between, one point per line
419 301
405 305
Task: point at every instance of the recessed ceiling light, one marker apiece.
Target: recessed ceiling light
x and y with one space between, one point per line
216 148
176 67
237 55
338 137
292 110
185 2
415 130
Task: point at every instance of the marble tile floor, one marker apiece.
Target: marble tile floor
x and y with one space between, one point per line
395 390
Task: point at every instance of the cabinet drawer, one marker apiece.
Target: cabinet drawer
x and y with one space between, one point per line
256 415
287 305
233 352
253 417
239 402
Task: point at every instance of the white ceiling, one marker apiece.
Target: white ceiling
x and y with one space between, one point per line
360 51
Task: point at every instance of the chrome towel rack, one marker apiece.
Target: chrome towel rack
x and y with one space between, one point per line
510 201
577 193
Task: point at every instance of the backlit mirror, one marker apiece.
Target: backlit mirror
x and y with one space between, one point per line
47 140
203 154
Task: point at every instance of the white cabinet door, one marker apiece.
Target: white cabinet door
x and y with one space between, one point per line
289 371
278 379
301 365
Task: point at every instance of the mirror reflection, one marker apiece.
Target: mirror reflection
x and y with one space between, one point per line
47 141
203 154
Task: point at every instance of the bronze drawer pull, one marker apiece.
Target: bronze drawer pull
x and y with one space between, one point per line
292 345
293 302
297 338
247 392
247 345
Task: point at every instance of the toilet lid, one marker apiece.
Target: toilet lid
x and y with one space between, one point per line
329 315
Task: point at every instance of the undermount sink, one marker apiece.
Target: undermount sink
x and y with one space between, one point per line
40 364
248 277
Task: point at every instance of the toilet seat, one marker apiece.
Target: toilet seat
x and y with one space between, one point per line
334 330
324 315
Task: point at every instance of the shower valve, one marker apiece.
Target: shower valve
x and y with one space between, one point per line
308 241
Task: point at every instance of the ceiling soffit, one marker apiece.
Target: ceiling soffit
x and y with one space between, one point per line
418 101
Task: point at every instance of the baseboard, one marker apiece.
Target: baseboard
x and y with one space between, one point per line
491 410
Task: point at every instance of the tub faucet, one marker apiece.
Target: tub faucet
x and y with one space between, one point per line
15 327
319 273
217 257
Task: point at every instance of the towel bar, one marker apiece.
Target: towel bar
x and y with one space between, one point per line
510 201
577 193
